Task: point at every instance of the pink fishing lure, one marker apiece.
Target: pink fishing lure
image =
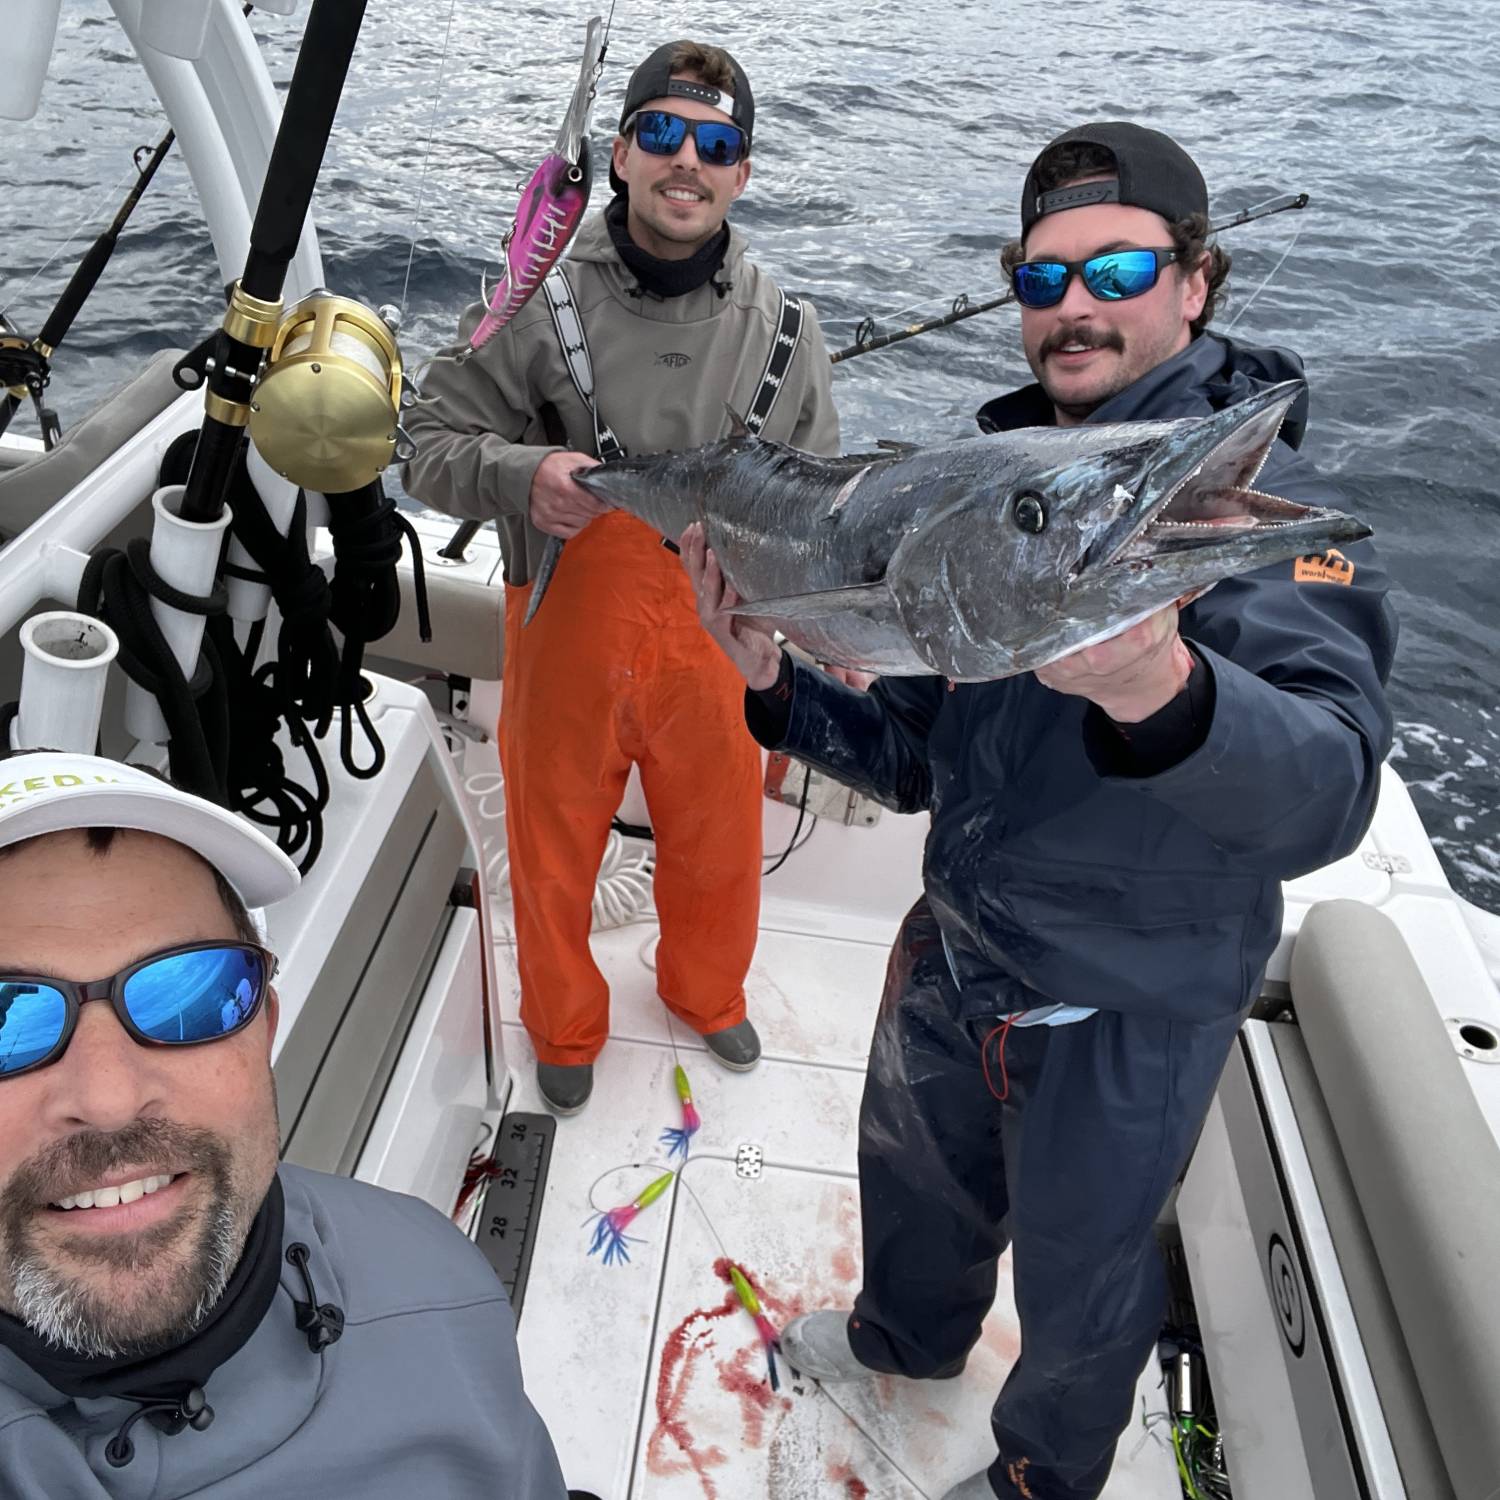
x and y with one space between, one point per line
551 208
677 1141
610 1227
552 202
769 1339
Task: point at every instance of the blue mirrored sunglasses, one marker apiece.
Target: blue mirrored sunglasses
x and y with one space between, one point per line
196 993
662 133
1111 277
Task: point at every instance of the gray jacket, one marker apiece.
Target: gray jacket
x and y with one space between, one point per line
664 369
421 1396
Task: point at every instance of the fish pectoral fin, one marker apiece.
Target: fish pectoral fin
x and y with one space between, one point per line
815 606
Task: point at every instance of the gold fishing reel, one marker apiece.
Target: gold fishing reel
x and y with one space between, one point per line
325 413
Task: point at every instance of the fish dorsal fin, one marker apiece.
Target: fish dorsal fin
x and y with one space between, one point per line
737 425
815 606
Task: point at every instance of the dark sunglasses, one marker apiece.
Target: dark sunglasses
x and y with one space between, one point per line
199 992
662 133
1111 277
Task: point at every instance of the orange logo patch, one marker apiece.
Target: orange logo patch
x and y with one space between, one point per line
1324 567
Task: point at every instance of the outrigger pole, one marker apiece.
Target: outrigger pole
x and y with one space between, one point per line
254 313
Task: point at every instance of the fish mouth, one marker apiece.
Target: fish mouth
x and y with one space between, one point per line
1196 494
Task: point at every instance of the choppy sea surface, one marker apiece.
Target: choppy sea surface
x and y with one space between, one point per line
891 141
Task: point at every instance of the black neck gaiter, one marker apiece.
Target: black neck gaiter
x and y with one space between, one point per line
666 278
171 1372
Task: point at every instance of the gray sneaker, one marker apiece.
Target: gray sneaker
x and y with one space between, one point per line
737 1047
565 1087
817 1344
975 1487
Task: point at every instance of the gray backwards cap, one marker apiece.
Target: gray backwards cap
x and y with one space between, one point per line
1152 171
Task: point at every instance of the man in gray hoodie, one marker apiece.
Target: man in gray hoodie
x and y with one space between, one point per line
179 1315
657 324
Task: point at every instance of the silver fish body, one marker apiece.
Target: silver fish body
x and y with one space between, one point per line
988 556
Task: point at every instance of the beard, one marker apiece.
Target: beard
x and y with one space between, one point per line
124 1295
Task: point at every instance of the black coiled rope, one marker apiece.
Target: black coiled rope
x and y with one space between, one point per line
223 723
310 679
367 532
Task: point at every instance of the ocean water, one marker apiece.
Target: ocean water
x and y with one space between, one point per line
892 138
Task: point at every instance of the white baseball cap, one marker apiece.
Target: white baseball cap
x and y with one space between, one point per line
47 791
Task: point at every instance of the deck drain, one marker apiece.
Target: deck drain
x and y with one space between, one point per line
1476 1040
747 1161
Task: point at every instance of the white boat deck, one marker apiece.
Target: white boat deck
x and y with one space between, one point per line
649 1375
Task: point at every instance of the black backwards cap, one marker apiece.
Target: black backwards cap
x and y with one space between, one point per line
1152 171
653 80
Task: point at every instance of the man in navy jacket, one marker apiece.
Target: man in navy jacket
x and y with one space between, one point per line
1102 879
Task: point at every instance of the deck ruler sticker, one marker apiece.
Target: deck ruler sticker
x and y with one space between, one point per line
513 1203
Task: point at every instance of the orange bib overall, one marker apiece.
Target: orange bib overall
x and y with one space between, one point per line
615 669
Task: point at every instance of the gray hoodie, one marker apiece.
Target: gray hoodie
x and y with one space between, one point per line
420 1397
664 368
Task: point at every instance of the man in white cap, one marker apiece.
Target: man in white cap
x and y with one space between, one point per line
180 1315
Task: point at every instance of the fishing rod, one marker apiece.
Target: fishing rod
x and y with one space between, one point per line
866 341
253 318
323 379
26 368
36 356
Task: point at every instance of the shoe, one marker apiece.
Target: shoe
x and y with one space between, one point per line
975 1487
737 1047
817 1344
565 1087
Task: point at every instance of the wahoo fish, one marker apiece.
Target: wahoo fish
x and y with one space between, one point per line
552 203
988 556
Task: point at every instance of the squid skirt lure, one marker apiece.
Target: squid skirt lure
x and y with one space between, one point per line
610 1227
768 1336
678 1141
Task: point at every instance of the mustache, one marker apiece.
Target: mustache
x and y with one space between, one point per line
70 1165
1082 333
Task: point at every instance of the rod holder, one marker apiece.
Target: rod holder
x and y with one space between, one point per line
186 555
63 675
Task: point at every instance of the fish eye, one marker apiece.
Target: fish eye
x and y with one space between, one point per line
1030 513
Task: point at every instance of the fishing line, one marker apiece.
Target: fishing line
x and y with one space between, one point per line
707 1217
1291 245
437 95
89 214
860 1428
625 1166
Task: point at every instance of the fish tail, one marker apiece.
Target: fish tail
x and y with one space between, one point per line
551 555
